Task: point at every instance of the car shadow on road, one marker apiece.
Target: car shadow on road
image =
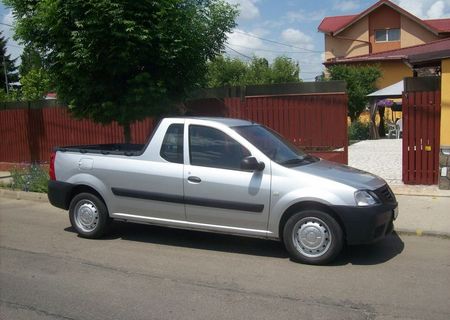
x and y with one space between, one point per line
372 254
194 240
378 253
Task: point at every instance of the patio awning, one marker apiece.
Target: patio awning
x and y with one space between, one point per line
393 91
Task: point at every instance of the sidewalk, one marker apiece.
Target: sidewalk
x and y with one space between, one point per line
418 214
3 177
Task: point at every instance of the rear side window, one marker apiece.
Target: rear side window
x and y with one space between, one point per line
209 147
172 146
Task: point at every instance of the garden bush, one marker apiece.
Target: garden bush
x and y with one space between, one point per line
32 178
358 131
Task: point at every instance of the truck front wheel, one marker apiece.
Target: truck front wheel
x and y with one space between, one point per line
88 215
312 237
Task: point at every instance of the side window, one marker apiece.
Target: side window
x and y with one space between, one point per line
209 147
172 146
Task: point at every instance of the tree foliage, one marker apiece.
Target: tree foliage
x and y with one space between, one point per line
360 80
11 69
35 84
31 59
124 60
235 72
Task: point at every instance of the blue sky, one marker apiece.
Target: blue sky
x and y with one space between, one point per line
290 22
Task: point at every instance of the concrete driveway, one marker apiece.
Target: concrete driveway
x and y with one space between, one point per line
381 157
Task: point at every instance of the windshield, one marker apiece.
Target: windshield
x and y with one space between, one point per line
274 146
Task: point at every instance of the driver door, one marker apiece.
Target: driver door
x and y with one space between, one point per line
217 191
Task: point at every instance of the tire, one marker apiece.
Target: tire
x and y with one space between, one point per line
321 237
89 216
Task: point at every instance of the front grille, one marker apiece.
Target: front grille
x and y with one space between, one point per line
385 194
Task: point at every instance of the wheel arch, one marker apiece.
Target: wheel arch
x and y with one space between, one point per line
308 205
83 188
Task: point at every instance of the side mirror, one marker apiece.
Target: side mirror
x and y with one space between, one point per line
251 164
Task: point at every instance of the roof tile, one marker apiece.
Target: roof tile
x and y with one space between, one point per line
403 53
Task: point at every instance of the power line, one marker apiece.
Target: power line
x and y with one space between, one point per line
267 50
239 53
6 24
301 63
307 72
276 42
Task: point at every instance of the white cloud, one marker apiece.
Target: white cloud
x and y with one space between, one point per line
436 10
12 46
297 38
247 8
426 9
348 5
305 16
241 39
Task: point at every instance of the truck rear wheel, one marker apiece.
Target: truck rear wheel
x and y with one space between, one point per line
312 237
88 215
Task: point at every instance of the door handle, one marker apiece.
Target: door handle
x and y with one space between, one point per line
194 179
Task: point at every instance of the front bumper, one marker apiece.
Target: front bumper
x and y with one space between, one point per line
367 224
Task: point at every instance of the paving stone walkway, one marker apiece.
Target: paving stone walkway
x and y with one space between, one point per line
381 157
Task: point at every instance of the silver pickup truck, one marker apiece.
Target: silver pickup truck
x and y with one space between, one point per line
223 175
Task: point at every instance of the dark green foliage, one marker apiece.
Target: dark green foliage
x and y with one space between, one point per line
225 71
360 82
358 131
33 178
11 69
31 59
124 60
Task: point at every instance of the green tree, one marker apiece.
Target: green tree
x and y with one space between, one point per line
123 60
31 59
11 69
35 84
225 71
234 72
361 81
284 70
258 72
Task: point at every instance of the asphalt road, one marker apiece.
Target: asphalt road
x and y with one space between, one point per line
145 272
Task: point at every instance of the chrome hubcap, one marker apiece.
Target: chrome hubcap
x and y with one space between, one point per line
86 215
311 237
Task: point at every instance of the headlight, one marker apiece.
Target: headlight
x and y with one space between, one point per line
365 198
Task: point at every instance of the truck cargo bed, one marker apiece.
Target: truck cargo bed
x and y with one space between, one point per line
126 149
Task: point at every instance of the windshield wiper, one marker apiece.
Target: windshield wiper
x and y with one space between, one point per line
306 158
293 161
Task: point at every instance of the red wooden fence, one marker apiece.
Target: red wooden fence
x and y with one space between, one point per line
314 118
315 122
421 126
28 135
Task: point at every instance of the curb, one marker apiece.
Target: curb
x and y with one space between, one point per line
422 233
22 195
436 194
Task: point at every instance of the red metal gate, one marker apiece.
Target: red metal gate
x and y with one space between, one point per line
421 130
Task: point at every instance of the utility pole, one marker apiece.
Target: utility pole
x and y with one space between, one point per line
6 75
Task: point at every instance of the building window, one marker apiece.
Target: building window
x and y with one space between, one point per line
387 35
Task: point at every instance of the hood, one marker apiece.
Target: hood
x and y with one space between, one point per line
343 174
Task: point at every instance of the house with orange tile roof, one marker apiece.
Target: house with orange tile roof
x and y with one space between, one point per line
384 34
